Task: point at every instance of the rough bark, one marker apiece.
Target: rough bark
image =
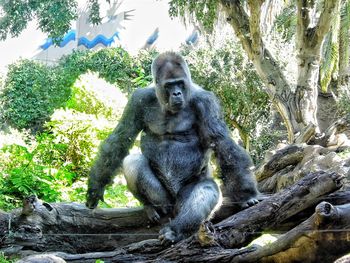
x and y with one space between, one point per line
309 40
321 238
278 88
287 165
72 228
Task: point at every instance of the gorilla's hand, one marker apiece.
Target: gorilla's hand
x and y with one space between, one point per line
152 214
93 196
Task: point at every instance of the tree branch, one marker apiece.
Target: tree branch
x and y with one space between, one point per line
324 22
254 25
267 67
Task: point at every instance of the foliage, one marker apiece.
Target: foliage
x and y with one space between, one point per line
266 140
81 133
4 259
24 176
203 11
228 73
53 162
92 95
53 17
286 22
54 165
143 62
32 91
329 65
115 65
343 102
344 37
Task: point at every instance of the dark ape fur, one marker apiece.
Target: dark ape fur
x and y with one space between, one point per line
181 126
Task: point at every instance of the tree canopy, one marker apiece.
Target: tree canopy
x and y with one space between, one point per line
53 17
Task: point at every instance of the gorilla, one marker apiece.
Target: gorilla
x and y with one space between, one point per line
181 125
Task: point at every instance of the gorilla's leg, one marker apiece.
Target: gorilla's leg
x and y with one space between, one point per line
145 186
195 203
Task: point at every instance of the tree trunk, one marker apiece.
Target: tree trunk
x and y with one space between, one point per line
309 41
298 109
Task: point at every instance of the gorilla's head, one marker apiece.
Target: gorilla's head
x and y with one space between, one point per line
172 80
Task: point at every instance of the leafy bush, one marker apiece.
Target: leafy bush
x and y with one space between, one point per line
92 95
31 94
82 133
33 91
266 140
4 259
143 62
22 176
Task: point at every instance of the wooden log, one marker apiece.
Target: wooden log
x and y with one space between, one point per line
241 228
73 228
307 134
323 237
290 155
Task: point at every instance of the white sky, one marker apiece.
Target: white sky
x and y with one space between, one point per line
148 15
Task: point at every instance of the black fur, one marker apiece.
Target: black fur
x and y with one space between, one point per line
172 175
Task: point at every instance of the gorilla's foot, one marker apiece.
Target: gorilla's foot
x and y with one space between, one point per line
250 202
167 236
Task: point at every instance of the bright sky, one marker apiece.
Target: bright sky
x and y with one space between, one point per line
148 15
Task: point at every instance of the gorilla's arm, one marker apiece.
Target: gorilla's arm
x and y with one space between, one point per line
114 149
238 182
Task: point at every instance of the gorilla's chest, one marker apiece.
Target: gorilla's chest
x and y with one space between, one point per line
161 123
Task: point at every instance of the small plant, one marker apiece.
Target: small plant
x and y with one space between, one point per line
4 259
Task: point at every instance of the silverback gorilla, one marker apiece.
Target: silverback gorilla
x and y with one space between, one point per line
181 126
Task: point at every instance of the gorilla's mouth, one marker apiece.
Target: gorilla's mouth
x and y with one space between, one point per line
177 105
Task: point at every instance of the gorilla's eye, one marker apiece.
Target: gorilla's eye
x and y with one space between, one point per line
168 86
181 84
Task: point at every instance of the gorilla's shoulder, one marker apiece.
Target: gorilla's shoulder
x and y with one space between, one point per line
202 96
144 95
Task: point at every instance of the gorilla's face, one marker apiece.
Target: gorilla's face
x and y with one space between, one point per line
173 83
175 94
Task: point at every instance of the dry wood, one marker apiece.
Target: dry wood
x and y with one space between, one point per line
72 228
321 238
290 155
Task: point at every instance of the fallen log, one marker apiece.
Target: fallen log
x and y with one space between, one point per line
242 227
72 228
323 237
291 163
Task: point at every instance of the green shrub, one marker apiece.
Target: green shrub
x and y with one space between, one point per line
32 91
24 177
268 138
143 62
31 94
4 259
92 95
81 133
